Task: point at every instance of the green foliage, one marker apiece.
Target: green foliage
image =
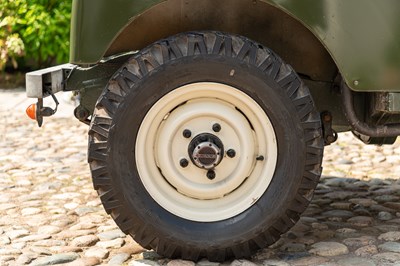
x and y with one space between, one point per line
11 45
41 26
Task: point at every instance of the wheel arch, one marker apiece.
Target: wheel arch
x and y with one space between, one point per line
257 20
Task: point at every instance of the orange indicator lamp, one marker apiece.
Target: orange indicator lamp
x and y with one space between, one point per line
31 111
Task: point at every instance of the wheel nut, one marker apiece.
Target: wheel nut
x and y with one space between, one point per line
231 153
216 127
187 133
184 163
210 174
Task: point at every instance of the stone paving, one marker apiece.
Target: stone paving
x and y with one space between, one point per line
50 214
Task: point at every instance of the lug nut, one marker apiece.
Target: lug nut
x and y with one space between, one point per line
184 163
187 133
231 153
216 127
210 174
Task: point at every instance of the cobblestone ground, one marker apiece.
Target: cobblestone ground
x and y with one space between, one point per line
50 214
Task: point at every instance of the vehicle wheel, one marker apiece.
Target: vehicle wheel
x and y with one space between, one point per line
205 145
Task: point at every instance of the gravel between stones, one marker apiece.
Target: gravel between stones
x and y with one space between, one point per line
50 214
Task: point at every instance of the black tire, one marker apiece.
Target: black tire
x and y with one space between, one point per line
197 57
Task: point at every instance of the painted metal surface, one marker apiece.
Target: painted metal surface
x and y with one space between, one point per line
55 76
362 36
95 23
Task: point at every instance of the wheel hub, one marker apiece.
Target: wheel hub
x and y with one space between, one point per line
197 151
206 150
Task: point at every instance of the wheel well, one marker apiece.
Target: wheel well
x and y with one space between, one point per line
254 19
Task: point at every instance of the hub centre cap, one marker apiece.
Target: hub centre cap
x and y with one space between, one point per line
206 150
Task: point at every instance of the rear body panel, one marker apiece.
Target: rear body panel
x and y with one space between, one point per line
362 36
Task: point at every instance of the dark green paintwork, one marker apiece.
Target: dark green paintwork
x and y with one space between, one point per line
362 36
95 23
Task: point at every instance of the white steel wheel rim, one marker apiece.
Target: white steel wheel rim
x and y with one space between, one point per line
186 191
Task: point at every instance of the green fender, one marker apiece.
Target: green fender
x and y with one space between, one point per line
362 36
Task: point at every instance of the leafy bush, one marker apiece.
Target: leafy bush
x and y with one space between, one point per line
11 45
39 30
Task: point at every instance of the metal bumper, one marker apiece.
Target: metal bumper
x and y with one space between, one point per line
44 82
69 77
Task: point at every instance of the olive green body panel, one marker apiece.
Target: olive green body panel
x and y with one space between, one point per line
278 31
95 23
361 36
